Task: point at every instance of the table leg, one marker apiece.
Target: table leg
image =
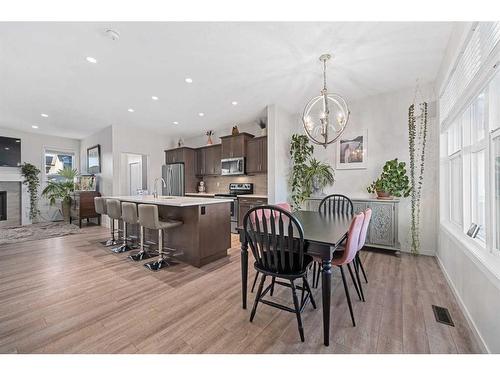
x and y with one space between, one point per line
326 286
244 272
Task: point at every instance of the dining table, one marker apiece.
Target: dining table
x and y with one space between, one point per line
323 233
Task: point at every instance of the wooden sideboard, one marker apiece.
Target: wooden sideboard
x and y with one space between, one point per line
82 206
383 229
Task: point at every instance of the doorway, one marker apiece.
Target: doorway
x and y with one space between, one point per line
134 168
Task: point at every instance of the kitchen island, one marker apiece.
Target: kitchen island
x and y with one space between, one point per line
205 235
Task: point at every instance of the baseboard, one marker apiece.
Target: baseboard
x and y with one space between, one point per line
468 317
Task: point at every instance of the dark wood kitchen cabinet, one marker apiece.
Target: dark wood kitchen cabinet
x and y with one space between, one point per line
187 156
208 161
257 155
235 146
245 204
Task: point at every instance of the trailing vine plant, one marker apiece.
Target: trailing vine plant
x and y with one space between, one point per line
417 136
32 180
300 152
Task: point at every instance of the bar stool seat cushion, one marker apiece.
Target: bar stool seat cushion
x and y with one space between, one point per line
114 208
149 218
100 205
129 213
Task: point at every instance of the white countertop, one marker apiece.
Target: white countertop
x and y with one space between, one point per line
171 201
256 196
200 195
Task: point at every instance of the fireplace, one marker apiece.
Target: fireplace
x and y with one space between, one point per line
3 205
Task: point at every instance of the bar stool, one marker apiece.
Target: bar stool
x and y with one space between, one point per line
114 209
100 208
148 218
129 214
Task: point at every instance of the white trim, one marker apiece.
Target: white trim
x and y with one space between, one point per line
465 311
488 262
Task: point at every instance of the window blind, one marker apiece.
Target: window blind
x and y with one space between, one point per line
478 47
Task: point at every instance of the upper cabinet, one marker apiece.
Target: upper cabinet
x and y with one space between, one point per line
235 146
178 155
256 161
208 161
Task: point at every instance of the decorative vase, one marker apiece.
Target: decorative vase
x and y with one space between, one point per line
383 195
209 140
235 130
65 208
316 187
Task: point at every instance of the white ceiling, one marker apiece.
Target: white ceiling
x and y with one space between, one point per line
43 70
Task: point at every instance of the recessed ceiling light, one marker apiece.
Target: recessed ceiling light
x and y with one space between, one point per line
176 123
234 102
201 114
131 110
18 141
6 149
154 98
34 126
91 59
188 80
44 115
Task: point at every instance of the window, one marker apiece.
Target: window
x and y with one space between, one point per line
55 161
496 188
456 190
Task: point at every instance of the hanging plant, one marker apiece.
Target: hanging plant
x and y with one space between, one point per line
417 136
31 179
300 152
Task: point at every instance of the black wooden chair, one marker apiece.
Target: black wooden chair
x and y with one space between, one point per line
276 239
339 204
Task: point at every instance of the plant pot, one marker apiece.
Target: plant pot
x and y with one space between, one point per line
383 195
209 140
66 208
263 132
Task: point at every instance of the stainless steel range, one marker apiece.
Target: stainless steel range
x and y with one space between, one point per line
236 189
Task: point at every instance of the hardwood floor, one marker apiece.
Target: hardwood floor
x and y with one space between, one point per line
72 295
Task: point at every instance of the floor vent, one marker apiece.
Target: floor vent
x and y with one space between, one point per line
442 315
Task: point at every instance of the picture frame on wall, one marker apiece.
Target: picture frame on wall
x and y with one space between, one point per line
352 150
94 159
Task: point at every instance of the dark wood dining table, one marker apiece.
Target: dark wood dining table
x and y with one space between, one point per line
322 235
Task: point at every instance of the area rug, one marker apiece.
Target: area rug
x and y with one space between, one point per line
37 231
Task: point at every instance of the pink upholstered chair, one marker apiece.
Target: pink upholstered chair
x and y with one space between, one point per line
348 256
362 241
284 205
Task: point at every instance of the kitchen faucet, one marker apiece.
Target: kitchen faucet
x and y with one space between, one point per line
155 194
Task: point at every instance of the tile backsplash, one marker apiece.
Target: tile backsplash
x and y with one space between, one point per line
220 184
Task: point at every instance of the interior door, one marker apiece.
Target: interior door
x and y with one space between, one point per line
135 177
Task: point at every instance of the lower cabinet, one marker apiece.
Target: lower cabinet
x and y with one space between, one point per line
383 229
245 204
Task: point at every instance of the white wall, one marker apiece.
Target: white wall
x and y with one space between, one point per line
386 119
104 138
281 126
32 151
201 140
471 274
137 141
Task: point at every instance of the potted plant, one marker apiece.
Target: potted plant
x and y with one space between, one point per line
300 152
263 127
209 134
32 180
318 175
61 189
393 181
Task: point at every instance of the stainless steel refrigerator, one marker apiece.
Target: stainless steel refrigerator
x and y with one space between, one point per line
173 174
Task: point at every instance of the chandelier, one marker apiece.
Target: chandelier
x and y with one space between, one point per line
325 116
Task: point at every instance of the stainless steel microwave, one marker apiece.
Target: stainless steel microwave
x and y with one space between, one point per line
233 166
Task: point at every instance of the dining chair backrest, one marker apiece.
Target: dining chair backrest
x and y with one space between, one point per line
336 204
267 213
276 239
351 247
364 228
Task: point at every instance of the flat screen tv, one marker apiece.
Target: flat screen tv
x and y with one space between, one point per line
10 152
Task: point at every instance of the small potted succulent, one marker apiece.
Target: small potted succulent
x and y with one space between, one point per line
392 182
